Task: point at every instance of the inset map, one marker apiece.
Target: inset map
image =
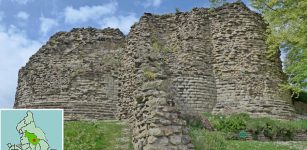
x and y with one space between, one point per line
31 129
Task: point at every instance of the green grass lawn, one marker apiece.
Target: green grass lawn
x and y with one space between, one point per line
113 135
256 145
98 135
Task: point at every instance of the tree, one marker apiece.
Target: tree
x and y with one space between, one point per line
288 31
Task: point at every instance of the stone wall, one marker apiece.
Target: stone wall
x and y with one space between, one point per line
195 62
147 92
168 66
246 79
300 107
216 61
77 71
216 58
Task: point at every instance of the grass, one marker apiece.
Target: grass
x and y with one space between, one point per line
98 135
225 131
256 145
216 140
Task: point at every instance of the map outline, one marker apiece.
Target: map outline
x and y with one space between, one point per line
22 119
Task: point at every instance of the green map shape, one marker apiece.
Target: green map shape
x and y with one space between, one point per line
32 138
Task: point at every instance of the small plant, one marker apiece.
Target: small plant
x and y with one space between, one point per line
233 123
150 75
202 139
157 46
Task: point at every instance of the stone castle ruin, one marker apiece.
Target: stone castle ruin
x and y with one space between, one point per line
169 65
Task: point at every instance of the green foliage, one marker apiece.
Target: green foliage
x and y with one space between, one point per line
202 139
301 96
150 75
271 128
287 31
85 135
300 125
233 123
267 126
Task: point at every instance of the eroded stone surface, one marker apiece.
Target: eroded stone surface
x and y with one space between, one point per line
168 66
77 71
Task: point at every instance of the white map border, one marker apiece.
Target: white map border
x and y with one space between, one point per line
25 109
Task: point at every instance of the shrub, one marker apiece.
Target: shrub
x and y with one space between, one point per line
237 122
302 96
233 123
285 129
271 128
256 125
202 139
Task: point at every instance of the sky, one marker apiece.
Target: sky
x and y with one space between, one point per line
26 25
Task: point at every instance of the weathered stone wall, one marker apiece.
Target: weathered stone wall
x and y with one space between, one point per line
217 61
185 39
246 79
155 120
77 71
300 107
183 63
195 62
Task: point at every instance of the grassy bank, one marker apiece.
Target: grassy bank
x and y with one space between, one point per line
225 133
99 135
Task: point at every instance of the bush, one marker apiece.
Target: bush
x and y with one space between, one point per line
202 139
237 122
271 128
302 96
256 125
233 123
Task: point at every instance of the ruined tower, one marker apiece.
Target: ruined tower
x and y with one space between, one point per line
204 60
77 71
